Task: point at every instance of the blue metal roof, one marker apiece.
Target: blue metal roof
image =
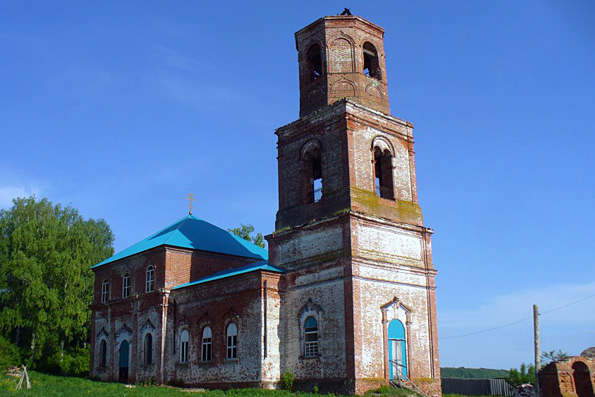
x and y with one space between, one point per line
262 265
194 233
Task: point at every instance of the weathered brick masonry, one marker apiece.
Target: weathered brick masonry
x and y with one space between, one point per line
346 301
570 377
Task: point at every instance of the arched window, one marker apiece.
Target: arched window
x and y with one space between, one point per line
312 175
232 341
311 337
371 63
150 279
126 285
103 354
314 62
184 338
207 344
383 173
105 291
148 349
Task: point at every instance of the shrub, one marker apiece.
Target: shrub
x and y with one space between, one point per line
147 382
73 362
524 375
76 363
9 354
176 382
286 382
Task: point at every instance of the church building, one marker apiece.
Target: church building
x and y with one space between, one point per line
345 298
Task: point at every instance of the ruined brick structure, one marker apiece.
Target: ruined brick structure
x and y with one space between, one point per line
571 377
346 301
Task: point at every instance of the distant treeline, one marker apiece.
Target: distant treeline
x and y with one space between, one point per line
472 373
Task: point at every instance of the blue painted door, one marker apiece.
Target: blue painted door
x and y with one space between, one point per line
397 350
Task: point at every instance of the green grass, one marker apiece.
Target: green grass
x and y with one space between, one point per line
53 385
391 391
460 395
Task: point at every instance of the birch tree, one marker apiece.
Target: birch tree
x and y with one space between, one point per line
46 285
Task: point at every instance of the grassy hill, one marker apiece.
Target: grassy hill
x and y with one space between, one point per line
472 373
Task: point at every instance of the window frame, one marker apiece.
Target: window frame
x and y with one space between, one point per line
184 344
231 352
311 347
207 345
126 285
150 279
105 291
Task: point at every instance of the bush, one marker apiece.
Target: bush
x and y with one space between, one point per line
524 375
286 382
73 362
176 382
9 354
76 362
147 382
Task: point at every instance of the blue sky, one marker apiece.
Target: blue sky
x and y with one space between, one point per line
123 108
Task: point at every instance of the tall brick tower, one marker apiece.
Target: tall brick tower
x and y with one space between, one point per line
359 307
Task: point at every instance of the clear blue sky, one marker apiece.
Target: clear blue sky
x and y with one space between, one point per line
123 108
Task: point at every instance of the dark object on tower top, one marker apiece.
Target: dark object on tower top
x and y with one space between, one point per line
346 11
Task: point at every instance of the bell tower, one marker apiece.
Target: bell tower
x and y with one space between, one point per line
359 308
341 57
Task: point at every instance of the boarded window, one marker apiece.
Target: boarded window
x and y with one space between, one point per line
341 56
148 349
103 354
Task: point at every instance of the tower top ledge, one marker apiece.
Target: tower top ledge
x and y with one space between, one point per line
348 103
341 18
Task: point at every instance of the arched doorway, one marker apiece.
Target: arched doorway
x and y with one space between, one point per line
582 380
124 355
397 350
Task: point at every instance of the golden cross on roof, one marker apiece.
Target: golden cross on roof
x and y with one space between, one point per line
190 199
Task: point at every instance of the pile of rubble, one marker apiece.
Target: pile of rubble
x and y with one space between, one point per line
525 390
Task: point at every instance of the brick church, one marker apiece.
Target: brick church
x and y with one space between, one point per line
345 298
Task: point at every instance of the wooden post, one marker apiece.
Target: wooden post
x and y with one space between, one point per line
537 349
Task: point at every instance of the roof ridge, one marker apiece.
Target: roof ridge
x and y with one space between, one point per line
177 228
198 235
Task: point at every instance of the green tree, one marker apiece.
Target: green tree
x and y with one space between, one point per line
46 285
552 355
517 377
246 232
